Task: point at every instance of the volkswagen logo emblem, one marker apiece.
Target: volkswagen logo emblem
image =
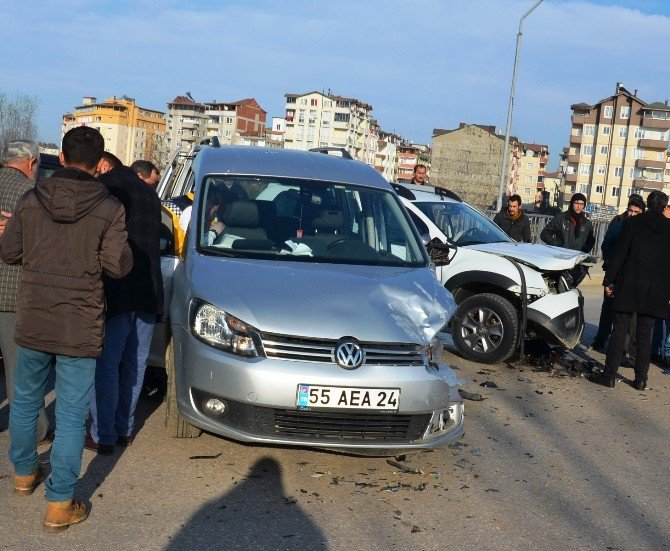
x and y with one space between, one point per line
349 354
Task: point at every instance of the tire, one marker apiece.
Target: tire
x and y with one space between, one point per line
175 424
485 328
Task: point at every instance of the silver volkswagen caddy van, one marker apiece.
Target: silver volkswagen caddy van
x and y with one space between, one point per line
304 308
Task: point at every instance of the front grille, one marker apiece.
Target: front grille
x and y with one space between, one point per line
317 425
323 350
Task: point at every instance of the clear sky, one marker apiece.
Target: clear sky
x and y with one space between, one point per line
422 64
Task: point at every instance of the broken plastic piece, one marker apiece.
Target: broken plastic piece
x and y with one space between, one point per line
475 397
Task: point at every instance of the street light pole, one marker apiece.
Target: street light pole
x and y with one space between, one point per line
510 108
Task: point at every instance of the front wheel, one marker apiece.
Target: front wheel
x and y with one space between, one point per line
485 328
175 424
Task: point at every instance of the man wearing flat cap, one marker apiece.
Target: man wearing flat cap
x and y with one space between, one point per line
21 160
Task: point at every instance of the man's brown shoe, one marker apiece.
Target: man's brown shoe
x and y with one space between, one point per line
61 514
25 485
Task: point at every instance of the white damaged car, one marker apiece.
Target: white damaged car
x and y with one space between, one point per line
503 288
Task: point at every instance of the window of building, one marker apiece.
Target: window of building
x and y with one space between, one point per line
623 131
526 190
583 188
659 156
618 171
341 117
616 192
604 149
589 130
310 133
625 112
299 133
325 134
587 150
599 189
312 116
529 166
607 130
609 110
327 103
229 120
638 153
303 101
301 115
290 100
313 101
577 131
639 133
601 169
585 170
528 178
620 151
325 118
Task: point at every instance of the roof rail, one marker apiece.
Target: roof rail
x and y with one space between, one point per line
403 192
212 141
444 192
326 150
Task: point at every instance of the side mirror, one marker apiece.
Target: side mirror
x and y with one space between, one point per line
439 252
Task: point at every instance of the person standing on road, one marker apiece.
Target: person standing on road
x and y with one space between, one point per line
637 279
635 206
133 303
21 160
420 176
147 171
65 232
571 230
513 221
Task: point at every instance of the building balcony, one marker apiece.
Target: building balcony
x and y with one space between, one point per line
649 143
571 178
188 138
648 163
589 118
648 184
648 122
573 158
191 125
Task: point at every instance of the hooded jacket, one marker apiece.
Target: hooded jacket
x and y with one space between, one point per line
65 232
640 266
518 229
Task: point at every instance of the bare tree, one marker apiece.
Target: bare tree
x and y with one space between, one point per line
18 115
159 151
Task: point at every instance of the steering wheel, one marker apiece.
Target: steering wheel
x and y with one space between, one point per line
337 242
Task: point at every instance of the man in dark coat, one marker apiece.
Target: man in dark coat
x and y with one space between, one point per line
133 302
635 206
513 221
571 229
637 278
66 232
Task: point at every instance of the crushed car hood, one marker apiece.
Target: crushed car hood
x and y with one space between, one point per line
328 301
542 257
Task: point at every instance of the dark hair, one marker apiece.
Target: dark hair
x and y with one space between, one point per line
417 167
516 198
636 200
145 168
83 146
657 201
112 159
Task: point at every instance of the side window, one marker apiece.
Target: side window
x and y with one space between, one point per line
423 229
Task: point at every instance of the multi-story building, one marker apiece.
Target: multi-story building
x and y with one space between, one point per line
386 161
468 160
235 122
531 170
617 147
317 119
131 132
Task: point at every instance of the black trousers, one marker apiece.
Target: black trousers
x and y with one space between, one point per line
643 333
606 320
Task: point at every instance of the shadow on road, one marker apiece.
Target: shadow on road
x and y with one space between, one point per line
257 514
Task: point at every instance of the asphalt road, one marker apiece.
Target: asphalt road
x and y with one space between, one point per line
549 461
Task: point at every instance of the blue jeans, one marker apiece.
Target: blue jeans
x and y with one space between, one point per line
74 380
661 339
119 375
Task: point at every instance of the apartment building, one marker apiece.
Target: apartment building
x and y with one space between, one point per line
131 132
317 119
468 160
386 160
617 147
238 122
529 169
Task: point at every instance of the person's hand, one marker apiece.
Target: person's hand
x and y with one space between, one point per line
3 223
217 227
609 290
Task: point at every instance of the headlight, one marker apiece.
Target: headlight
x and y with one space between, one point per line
221 330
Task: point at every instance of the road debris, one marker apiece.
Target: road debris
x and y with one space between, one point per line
474 396
206 456
404 468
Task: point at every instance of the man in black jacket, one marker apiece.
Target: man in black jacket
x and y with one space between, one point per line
133 303
513 221
637 279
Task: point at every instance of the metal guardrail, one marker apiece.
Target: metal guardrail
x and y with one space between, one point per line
539 221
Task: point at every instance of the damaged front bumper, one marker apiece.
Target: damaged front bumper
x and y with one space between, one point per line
558 318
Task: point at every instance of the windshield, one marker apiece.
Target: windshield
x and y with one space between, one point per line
461 224
289 219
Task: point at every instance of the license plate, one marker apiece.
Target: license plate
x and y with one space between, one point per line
315 396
